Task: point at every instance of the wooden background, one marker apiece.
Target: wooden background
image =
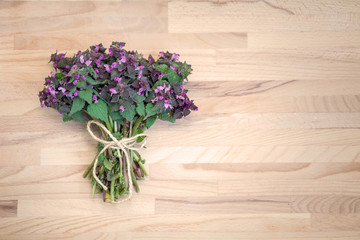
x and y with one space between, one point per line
273 153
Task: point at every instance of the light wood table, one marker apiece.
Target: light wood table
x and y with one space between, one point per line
273 153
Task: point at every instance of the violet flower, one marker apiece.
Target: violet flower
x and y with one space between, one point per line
113 91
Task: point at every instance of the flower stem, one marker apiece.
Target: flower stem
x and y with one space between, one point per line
93 190
125 129
137 123
89 168
112 185
137 189
130 128
115 126
142 168
138 160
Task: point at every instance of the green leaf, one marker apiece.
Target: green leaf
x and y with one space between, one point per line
78 116
100 146
98 110
139 131
90 80
116 116
66 117
117 135
173 77
157 107
64 109
59 76
93 73
84 71
86 95
129 113
136 97
101 158
139 98
150 110
73 89
160 82
150 121
166 117
108 164
162 67
81 84
140 109
78 104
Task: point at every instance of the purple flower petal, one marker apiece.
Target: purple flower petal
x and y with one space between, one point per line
112 91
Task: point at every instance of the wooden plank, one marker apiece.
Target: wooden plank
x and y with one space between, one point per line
256 137
338 222
6 41
225 122
46 10
285 137
305 40
33 64
344 235
231 17
256 171
272 153
44 174
82 190
337 59
39 190
157 223
251 154
266 23
227 105
244 72
288 187
69 155
223 205
15 155
154 41
87 24
8 208
328 204
278 104
204 89
273 88
275 7
138 206
19 63
68 236
234 121
79 154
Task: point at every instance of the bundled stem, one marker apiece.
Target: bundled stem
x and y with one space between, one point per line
112 167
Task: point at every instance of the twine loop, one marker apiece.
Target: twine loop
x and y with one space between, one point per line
124 144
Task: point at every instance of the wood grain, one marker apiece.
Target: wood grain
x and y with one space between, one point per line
158 223
237 17
325 204
272 153
8 208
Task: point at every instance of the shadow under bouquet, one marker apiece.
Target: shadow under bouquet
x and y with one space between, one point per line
123 94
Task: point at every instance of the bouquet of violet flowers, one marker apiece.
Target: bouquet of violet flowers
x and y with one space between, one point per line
122 93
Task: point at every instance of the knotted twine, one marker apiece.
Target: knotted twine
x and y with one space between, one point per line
124 145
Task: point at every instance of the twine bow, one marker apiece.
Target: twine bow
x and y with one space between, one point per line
123 144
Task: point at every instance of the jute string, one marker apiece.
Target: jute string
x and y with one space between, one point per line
124 145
